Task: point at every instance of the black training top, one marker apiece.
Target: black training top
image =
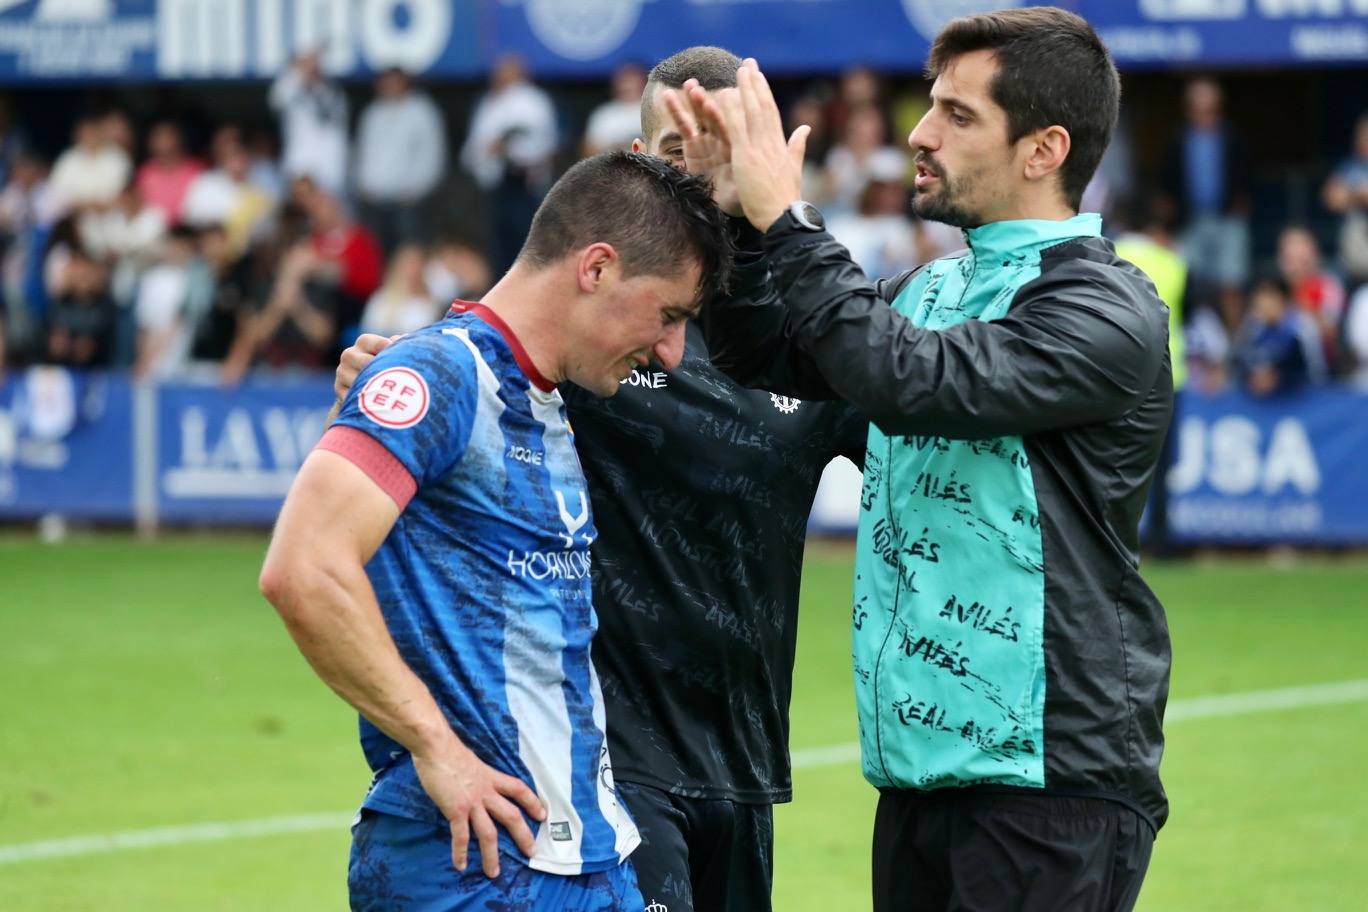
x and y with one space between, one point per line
701 492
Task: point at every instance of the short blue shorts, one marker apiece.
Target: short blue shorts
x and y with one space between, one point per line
402 865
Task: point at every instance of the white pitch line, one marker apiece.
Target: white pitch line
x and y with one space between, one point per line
1238 704
172 835
1257 701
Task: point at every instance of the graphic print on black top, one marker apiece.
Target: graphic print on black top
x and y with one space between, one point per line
701 492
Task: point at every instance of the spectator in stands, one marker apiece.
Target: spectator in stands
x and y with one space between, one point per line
127 238
810 110
24 196
617 122
859 87
118 131
228 291
81 314
13 142
508 150
1207 186
1151 246
26 212
313 123
164 312
862 151
401 156
265 172
1346 193
456 269
1209 341
1316 293
168 172
880 234
404 302
226 196
322 284
130 226
1271 356
1356 337
92 172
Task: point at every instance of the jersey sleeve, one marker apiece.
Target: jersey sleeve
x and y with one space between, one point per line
407 418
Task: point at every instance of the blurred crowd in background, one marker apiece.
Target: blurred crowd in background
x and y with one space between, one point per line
175 248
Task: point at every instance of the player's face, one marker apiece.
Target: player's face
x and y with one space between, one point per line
636 321
666 142
966 170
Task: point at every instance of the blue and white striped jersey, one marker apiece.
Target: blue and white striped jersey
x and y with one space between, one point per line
484 579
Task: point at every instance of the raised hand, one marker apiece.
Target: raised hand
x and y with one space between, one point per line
354 360
706 151
767 168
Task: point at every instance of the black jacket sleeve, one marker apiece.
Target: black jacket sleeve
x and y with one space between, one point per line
749 334
1083 343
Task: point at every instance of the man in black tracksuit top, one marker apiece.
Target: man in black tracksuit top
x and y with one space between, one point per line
1011 666
701 491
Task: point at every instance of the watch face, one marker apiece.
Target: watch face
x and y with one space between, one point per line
808 215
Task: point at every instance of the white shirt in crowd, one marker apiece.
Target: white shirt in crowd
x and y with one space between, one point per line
211 198
849 174
881 245
613 125
522 115
1356 335
163 296
114 233
401 148
82 177
313 129
389 312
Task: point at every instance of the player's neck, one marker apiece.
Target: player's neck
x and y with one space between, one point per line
526 302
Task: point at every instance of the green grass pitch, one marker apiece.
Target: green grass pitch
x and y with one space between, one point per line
148 685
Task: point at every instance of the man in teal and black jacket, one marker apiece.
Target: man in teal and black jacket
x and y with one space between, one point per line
1011 666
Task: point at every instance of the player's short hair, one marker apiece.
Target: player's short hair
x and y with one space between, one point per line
713 67
658 218
1052 69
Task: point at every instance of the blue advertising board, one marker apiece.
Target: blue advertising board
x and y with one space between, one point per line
95 446
153 40
1289 469
230 455
66 445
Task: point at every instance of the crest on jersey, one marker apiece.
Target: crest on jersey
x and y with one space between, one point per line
395 398
785 404
573 523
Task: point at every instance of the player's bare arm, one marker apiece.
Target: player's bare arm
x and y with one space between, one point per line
332 522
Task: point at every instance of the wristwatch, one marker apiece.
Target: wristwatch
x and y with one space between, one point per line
806 216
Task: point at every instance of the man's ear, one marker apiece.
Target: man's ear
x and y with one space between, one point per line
1047 151
597 265
638 145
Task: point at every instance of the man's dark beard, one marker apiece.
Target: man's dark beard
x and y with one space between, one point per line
940 207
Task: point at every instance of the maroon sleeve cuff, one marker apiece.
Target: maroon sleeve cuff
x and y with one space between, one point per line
371 457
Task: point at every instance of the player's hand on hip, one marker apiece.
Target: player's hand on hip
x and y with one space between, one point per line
706 150
767 168
355 359
474 796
